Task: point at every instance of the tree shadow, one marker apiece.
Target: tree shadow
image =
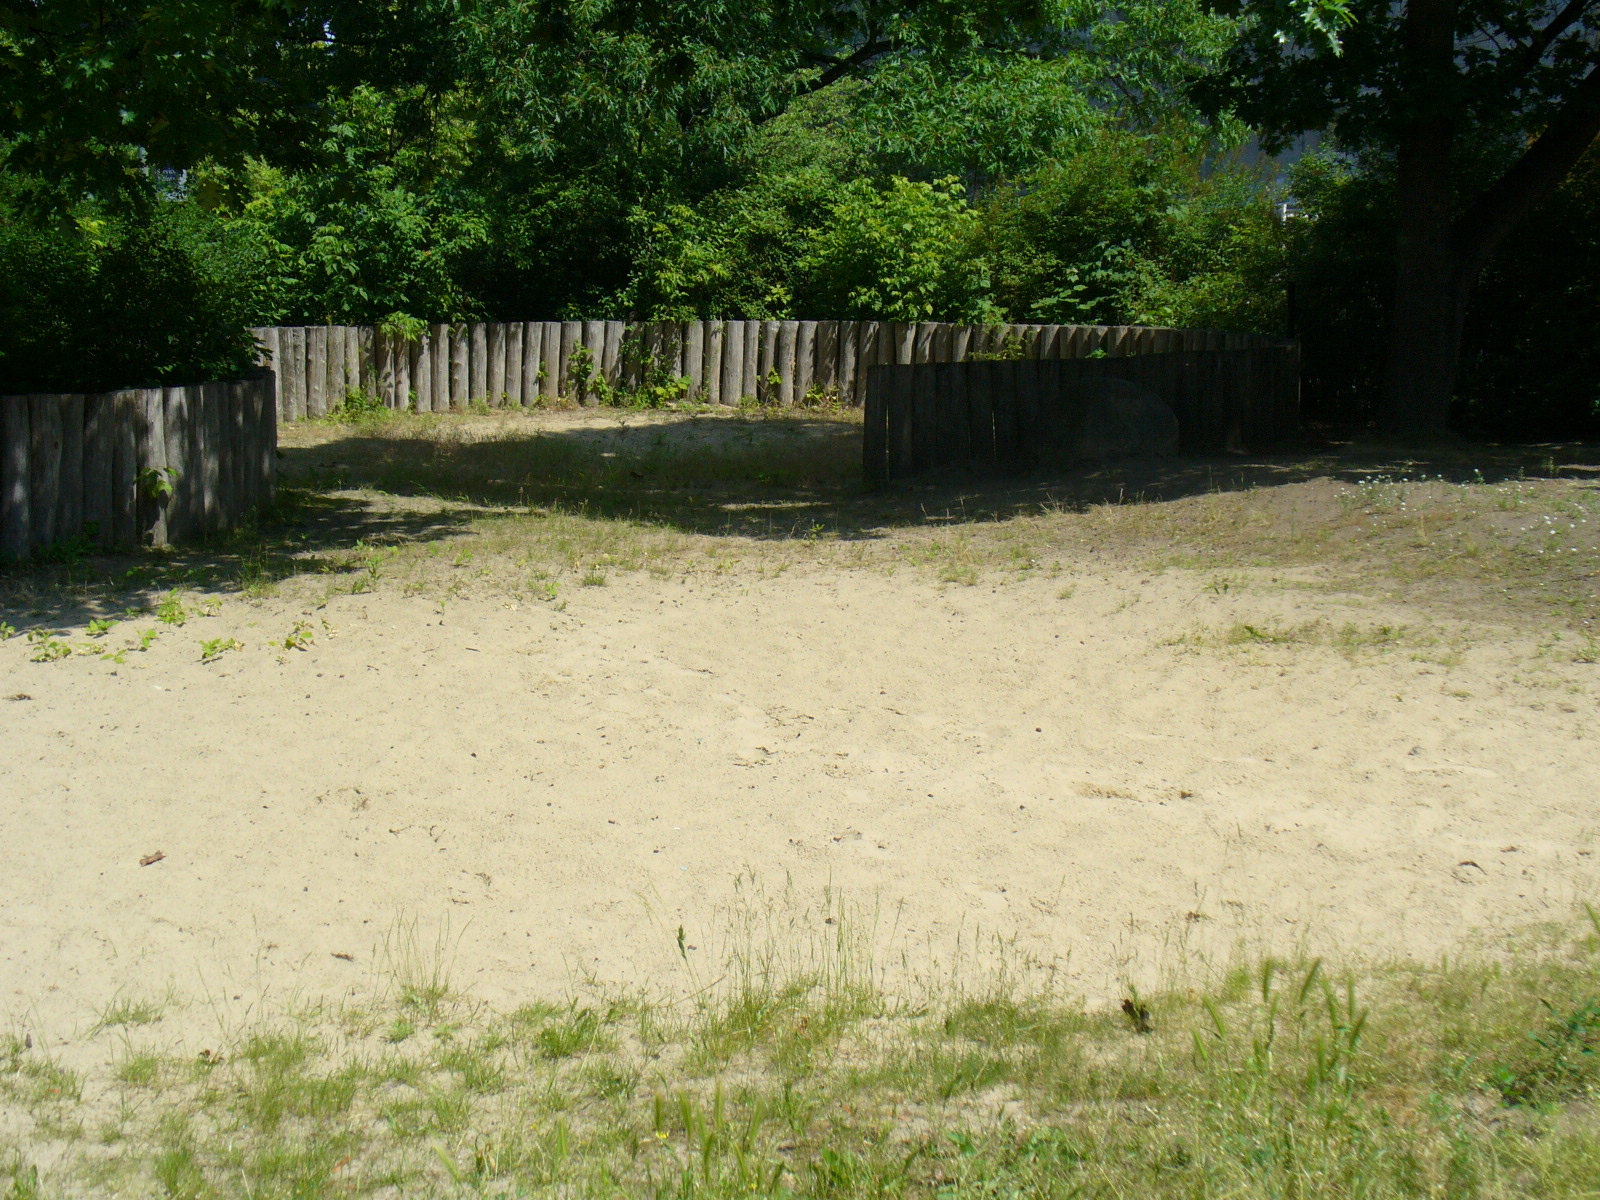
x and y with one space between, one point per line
774 478
751 477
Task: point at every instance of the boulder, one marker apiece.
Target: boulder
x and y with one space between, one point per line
1104 418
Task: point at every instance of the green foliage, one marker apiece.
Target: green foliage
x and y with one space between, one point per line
380 228
905 253
1125 230
104 301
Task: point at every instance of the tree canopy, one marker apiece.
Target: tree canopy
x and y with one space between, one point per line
1023 159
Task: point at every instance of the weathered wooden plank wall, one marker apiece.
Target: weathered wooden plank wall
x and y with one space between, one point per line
925 416
147 466
726 362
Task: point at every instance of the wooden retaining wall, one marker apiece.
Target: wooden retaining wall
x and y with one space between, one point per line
141 467
775 362
986 415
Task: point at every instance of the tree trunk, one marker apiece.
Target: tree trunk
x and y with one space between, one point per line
1431 285
1433 282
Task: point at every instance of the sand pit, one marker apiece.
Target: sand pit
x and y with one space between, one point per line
1101 762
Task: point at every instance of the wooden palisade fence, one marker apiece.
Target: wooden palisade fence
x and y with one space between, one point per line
775 362
141 467
997 414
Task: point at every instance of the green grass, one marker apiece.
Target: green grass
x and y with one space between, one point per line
797 1069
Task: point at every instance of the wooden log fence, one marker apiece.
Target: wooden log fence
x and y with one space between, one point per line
139 467
929 416
460 366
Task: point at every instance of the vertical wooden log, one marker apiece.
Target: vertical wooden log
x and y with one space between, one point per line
594 341
16 479
953 439
238 498
338 365
713 362
922 341
127 416
571 339
352 362
384 351
1005 408
805 360
732 385
404 388
980 412
826 377
767 363
192 455
903 342
266 346
477 362
960 342
532 360
98 453
514 336
924 416
44 458
267 442
155 510
866 358
750 369
784 362
214 398
554 342
439 365
634 336
875 427
70 520
494 387
460 366
609 360
422 370
1031 386
694 353
292 344
849 362
902 421
317 371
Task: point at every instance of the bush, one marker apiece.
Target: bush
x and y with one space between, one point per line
906 253
96 303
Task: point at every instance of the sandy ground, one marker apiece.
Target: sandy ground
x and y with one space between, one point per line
555 792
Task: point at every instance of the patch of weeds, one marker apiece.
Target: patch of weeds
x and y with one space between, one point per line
148 638
171 610
214 649
100 627
966 576
359 407
560 1033
124 1012
47 647
420 971
402 1029
7 631
1268 635
301 636
139 1069
593 577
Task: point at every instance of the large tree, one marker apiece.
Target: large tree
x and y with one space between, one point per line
1479 107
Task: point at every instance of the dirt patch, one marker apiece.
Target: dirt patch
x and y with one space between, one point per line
557 712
